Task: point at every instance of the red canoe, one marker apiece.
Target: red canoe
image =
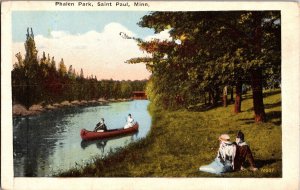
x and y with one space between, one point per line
91 135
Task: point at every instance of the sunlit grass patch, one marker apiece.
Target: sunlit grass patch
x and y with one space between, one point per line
181 141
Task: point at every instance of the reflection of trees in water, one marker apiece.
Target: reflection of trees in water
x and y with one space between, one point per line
41 141
35 138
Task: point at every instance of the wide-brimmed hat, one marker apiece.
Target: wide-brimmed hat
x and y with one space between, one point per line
224 137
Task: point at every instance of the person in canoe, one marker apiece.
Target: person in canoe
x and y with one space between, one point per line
224 162
129 122
100 127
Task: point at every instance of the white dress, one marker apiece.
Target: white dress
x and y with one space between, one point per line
129 123
222 163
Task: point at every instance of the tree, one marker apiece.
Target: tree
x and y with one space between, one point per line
48 61
62 68
36 80
31 68
31 51
81 74
53 64
44 59
20 62
215 49
70 71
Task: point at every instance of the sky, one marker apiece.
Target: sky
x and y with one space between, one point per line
89 40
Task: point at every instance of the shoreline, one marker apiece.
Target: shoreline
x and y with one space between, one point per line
196 132
19 110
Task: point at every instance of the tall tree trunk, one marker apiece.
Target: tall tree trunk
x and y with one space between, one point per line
213 97
225 96
231 94
209 97
258 104
256 74
238 97
216 97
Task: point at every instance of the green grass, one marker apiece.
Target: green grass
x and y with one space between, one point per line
181 141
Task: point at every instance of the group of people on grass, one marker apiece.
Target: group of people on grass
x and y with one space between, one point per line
101 127
231 156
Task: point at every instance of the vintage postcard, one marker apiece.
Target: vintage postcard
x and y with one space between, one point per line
149 95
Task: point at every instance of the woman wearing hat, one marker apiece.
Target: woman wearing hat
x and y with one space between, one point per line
129 122
224 162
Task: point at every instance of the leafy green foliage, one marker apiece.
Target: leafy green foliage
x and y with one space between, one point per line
210 50
37 80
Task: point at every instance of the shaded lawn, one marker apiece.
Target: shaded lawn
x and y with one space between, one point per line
181 141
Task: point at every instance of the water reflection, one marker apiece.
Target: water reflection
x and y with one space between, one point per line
50 142
102 142
31 142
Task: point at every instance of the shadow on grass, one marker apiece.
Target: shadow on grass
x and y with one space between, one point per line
269 106
247 96
274 115
262 163
271 116
204 107
270 93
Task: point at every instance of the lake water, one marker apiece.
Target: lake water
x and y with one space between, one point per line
51 142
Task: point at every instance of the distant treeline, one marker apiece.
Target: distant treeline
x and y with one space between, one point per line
37 80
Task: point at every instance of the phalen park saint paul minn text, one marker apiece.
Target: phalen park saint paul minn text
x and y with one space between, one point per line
102 4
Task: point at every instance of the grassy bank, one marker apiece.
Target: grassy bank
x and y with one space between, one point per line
181 141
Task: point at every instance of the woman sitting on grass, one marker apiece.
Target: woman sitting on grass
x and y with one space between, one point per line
224 162
243 152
